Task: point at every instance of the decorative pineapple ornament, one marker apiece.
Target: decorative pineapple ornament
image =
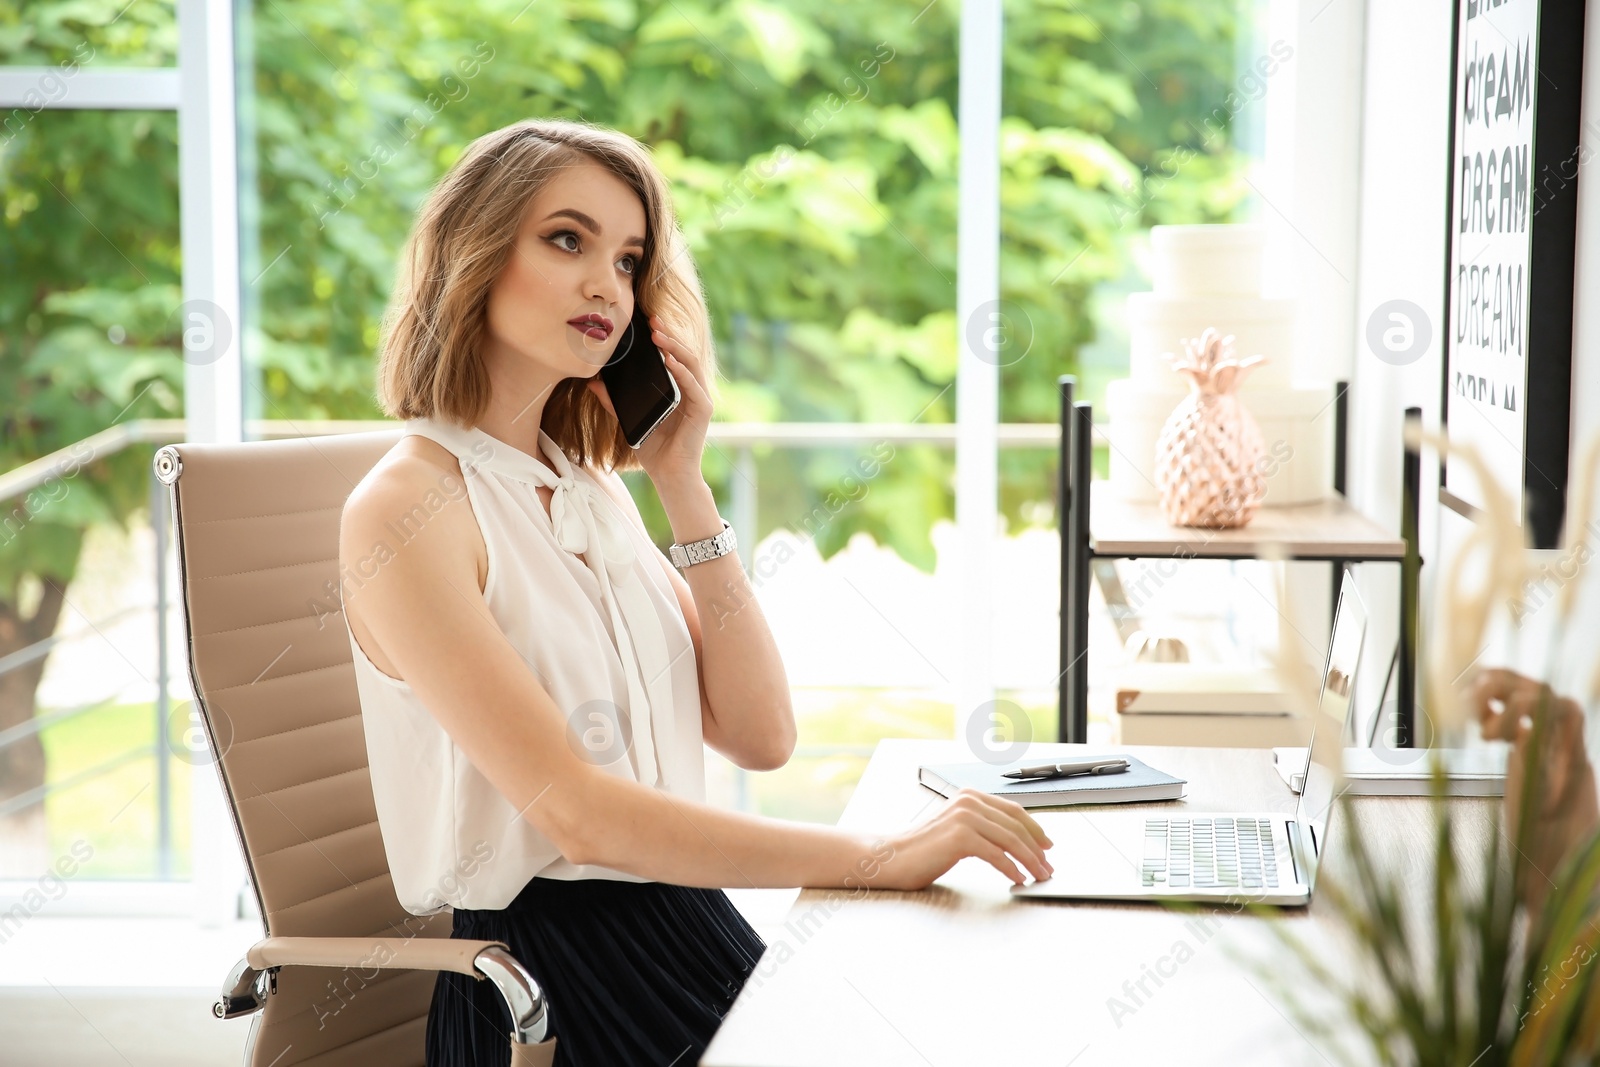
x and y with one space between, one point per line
1208 456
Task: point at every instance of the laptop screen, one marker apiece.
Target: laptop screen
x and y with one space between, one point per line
1325 764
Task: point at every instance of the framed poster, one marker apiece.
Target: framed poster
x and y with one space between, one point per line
1517 74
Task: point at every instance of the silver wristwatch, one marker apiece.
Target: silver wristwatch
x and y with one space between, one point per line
699 551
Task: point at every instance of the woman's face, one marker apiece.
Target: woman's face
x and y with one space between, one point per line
579 247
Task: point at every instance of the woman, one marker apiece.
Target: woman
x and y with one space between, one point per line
536 682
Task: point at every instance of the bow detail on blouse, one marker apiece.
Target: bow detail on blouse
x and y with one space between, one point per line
582 521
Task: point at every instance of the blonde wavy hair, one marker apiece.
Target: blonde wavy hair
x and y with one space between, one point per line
431 363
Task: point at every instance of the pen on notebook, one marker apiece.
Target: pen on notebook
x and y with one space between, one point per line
1064 770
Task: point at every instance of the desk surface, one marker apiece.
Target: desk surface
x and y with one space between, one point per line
938 977
1327 529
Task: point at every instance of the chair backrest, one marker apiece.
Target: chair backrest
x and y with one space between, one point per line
257 534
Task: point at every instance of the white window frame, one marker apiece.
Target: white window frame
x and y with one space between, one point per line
201 90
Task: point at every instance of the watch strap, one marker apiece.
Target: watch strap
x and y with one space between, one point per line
706 549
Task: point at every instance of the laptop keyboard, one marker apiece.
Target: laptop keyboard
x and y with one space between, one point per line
1212 852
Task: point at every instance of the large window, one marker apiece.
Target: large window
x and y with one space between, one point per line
90 289
814 156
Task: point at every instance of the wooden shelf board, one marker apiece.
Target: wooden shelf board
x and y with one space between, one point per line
1330 529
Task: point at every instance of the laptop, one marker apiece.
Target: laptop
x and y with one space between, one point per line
1256 856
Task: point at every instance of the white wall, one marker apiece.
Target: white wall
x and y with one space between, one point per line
1307 197
1401 256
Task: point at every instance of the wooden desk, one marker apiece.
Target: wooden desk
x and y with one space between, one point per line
962 974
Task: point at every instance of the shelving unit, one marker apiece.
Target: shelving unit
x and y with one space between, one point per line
1094 524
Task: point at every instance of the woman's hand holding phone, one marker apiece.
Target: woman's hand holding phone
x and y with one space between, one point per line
672 454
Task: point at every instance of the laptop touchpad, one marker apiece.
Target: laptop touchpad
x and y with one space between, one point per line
1095 850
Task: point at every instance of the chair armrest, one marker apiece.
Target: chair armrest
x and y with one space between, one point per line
386 953
242 993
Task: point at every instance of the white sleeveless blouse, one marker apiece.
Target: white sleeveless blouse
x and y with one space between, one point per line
605 636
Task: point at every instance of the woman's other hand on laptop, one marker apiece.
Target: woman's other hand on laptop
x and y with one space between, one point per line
1566 810
971 823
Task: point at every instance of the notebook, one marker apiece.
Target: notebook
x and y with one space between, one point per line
1139 783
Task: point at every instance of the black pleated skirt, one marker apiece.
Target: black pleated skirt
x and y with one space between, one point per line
634 973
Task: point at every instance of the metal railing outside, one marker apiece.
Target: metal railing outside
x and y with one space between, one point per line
741 438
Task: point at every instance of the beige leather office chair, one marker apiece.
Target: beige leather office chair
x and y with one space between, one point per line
345 975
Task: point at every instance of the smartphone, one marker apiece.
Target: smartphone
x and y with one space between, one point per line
643 391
